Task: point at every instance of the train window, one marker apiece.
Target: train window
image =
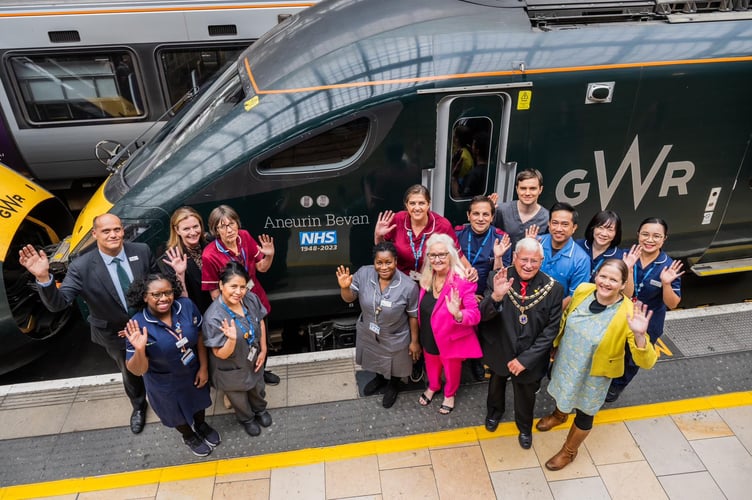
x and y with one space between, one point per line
186 68
470 156
58 88
329 149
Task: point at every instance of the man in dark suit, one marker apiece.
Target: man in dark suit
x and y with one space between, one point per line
520 314
100 277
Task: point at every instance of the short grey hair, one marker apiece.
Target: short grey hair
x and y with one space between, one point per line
530 245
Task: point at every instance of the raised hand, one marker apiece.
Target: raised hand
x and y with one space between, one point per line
532 231
453 302
501 284
630 258
639 321
228 329
344 278
471 274
494 197
136 336
267 244
670 273
501 246
35 262
383 225
177 260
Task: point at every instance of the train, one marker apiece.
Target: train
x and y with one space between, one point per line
642 107
83 80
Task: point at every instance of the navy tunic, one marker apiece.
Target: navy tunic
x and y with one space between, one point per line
169 383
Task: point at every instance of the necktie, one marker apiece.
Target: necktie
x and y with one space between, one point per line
523 289
123 278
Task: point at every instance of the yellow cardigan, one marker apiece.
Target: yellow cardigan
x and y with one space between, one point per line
608 359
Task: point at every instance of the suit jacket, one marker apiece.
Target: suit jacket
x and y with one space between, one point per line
456 340
88 278
502 336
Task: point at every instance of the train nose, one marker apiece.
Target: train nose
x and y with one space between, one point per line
28 214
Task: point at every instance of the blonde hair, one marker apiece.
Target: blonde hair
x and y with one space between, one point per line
455 266
179 216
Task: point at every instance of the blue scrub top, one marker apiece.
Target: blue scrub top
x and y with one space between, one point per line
479 251
570 266
597 262
649 291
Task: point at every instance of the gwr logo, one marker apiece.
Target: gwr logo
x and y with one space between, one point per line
308 238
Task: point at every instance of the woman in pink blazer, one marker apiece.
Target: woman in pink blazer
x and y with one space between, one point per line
448 316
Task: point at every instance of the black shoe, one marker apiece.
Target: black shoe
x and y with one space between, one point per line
270 378
252 428
525 440
492 424
138 420
197 446
374 385
390 396
208 434
479 371
264 419
613 394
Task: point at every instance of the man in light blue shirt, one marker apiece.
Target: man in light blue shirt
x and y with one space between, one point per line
563 259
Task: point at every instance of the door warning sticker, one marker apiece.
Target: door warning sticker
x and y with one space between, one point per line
523 99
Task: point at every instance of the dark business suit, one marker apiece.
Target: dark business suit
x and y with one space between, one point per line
88 278
503 338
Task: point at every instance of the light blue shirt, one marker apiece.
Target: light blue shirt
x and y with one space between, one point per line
570 266
112 269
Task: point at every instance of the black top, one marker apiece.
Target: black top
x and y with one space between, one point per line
426 332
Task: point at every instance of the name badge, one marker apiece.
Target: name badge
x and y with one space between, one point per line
180 343
252 353
385 303
133 258
656 283
188 357
415 275
249 284
374 328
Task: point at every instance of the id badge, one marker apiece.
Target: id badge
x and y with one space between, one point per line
188 357
374 328
249 284
180 343
415 275
385 303
656 283
252 353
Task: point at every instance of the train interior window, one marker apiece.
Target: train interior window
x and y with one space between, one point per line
327 150
470 156
184 69
57 88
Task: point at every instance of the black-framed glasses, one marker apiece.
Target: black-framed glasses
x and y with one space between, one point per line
159 295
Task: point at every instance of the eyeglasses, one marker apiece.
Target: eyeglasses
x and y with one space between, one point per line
225 227
438 256
654 237
159 295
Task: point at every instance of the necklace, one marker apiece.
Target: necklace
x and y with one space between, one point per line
538 296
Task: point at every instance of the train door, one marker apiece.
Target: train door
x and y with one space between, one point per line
470 152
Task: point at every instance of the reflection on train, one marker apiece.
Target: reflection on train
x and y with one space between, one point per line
78 72
317 128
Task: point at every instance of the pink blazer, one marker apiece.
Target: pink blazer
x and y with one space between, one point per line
456 340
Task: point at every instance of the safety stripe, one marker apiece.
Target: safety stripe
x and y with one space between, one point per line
467 435
155 10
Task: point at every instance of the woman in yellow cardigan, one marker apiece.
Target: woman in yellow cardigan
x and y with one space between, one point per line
596 325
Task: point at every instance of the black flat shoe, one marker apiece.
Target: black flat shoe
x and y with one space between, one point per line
390 395
138 420
612 394
491 424
264 419
270 378
252 428
525 440
374 385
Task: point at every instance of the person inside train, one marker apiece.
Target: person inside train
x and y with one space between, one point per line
164 345
235 333
234 244
601 242
596 325
563 259
463 160
448 319
656 278
101 278
474 183
520 315
518 216
387 331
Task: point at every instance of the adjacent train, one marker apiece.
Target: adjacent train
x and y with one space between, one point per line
643 107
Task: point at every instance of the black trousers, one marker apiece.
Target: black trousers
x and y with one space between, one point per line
630 369
524 400
134 385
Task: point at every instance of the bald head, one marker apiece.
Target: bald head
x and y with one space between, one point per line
107 230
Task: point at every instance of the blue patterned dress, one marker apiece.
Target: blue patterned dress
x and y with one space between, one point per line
571 384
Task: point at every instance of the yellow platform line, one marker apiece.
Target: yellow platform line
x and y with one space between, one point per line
467 435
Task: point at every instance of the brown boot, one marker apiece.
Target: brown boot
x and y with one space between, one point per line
569 451
550 421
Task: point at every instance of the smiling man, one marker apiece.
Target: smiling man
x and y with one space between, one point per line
516 216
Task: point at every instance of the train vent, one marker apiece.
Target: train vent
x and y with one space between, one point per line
64 36
223 30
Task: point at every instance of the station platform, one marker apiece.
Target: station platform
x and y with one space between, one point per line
682 430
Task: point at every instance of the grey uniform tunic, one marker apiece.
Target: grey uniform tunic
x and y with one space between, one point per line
385 352
507 217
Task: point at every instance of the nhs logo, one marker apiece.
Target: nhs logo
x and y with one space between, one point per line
309 238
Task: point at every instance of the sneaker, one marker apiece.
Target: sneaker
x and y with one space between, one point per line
270 378
198 446
208 434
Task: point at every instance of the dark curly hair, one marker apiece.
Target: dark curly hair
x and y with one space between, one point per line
138 288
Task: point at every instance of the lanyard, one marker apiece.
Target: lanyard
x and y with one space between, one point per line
480 248
230 256
248 335
645 276
419 253
178 334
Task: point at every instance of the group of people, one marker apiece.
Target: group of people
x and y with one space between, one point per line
196 315
510 290
514 289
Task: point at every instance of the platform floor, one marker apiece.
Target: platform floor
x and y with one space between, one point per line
682 430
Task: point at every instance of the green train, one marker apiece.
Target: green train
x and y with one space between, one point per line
642 107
